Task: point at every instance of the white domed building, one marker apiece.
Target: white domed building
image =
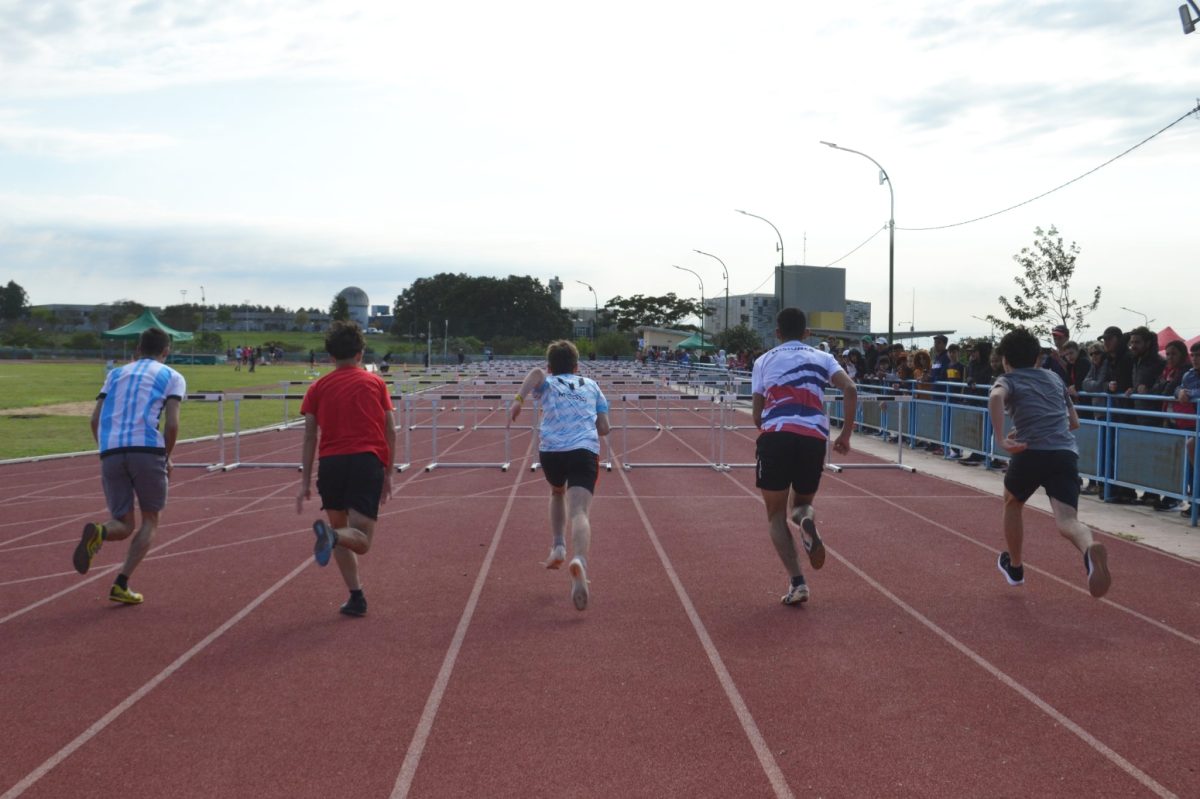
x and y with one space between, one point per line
356 300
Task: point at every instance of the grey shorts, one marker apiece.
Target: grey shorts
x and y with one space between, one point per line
128 474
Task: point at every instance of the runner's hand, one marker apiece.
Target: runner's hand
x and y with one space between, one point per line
515 412
1011 445
305 493
842 444
386 493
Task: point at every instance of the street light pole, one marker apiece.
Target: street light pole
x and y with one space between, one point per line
1139 313
702 309
595 311
726 272
883 177
782 273
991 327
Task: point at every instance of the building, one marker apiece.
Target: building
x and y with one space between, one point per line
858 316
556 290
583 321
662 337
755 311
356 300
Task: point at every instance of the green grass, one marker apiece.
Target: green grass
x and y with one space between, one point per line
32 384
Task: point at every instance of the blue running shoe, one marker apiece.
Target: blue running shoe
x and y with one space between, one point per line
326 538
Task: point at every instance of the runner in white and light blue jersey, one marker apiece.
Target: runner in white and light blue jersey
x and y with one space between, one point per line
135 458
574 416
570 405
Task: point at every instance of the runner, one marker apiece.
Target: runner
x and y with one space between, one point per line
789 385
350 411
135 458
574 416
1044 454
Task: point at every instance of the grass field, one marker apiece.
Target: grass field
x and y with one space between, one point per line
34 397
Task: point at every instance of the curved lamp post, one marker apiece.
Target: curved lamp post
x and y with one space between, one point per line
782 274
883 178
595 312
725 270
1139 313
701 281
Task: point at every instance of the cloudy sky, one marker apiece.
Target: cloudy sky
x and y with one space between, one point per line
279 151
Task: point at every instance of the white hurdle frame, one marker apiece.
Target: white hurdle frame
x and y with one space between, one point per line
904 402
714 429
505 406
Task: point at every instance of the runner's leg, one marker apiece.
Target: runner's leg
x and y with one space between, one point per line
781 535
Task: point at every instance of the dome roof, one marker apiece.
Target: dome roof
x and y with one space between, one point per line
354 295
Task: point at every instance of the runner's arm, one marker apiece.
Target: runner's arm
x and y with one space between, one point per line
532 380
843 383
756 408
306 460
602 426
171 429
96 419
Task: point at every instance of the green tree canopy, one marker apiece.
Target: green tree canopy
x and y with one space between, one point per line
14 302
483 307
1045 298
628 313
339 309
736 339
124 312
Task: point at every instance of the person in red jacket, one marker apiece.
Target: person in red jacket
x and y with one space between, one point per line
350 411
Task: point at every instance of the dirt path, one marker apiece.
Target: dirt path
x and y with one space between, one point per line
57 409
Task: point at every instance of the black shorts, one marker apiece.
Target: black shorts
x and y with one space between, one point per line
351 482
575 467
789 459
1056 470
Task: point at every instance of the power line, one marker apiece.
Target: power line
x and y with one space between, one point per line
1056 188
859 247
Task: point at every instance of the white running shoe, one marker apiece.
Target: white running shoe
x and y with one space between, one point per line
579 584
1096 560
796 594
810 538
558 554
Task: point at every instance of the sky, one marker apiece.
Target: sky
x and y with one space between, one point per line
279 151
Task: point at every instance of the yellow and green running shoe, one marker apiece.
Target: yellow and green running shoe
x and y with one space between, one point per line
89 545
119 594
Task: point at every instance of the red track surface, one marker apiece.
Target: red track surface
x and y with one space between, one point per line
914 671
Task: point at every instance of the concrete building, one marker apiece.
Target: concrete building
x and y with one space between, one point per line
858 316
556 290
358 303
662 337
755 311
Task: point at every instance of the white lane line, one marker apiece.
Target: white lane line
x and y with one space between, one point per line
412 758
129 701
91 578
1112 756
749 726
1095 743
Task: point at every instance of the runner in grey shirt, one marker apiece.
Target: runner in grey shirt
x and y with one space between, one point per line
1044 455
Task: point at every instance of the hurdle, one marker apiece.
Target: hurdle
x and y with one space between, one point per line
220 436
902 406
437 462
714 433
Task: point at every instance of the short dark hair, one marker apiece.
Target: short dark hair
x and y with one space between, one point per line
1176 344
1196 347
1020 348
791 323
153 342
1143 332
344 340
562 357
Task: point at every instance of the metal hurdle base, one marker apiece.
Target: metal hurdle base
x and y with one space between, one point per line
838 468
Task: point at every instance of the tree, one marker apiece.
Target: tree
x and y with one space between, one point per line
484 307
609 344
640 311
339 309
738 338
302 320
13 302
225 315
124 312
1045 298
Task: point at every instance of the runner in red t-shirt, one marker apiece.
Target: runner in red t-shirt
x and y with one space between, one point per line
351 409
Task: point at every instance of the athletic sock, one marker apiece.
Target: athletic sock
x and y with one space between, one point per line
122 581
103 532
797 580
560 541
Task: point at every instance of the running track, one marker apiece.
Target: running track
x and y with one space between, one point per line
914 671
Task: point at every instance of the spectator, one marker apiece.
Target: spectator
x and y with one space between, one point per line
1187 396
1061 337
1168 385
1116 373
954 371
1147 366
940 360
1075 368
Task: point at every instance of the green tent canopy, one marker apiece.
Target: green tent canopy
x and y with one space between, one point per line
146 320
692 342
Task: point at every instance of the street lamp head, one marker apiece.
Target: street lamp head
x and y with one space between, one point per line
830 144
740 211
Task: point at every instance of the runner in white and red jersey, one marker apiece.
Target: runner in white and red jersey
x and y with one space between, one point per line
789 385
